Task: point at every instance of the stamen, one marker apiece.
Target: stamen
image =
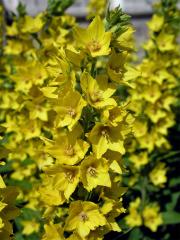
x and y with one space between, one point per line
69 150
69 176
94 46
83 216
92 171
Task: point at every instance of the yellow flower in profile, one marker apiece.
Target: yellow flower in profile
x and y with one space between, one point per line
94 39
134 218
68 111
112 209
53 232
156 23
115 161
98 91
115 67
104 137
152 218
94 172
158 175
50 195
68 148
84 217
125 40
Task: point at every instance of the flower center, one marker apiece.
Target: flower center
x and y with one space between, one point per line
105 132
95 96
69 176
94 46
92 171
71 112
69 150
83 216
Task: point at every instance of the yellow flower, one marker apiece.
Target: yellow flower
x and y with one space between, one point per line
158 175
151 92
84 217
139 160
24 81
155 112
165 123
114 115
68 111
53 232
115 68
112 209
96 8
65 178
134 218
32 25
94 172
12 30
37 106
8 211
125 40
152 218
139 128
30 227
156 23
94 39
68 148
98 91
14 47
147 141
165 42
104 137
49 194
115 159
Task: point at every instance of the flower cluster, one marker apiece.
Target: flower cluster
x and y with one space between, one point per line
81 126
152 98
25 111
88 133
62 113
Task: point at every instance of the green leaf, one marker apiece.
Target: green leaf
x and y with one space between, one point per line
29 214
21 8
170 206
171 217
135 234
6 168
57 7
24 184
18 236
